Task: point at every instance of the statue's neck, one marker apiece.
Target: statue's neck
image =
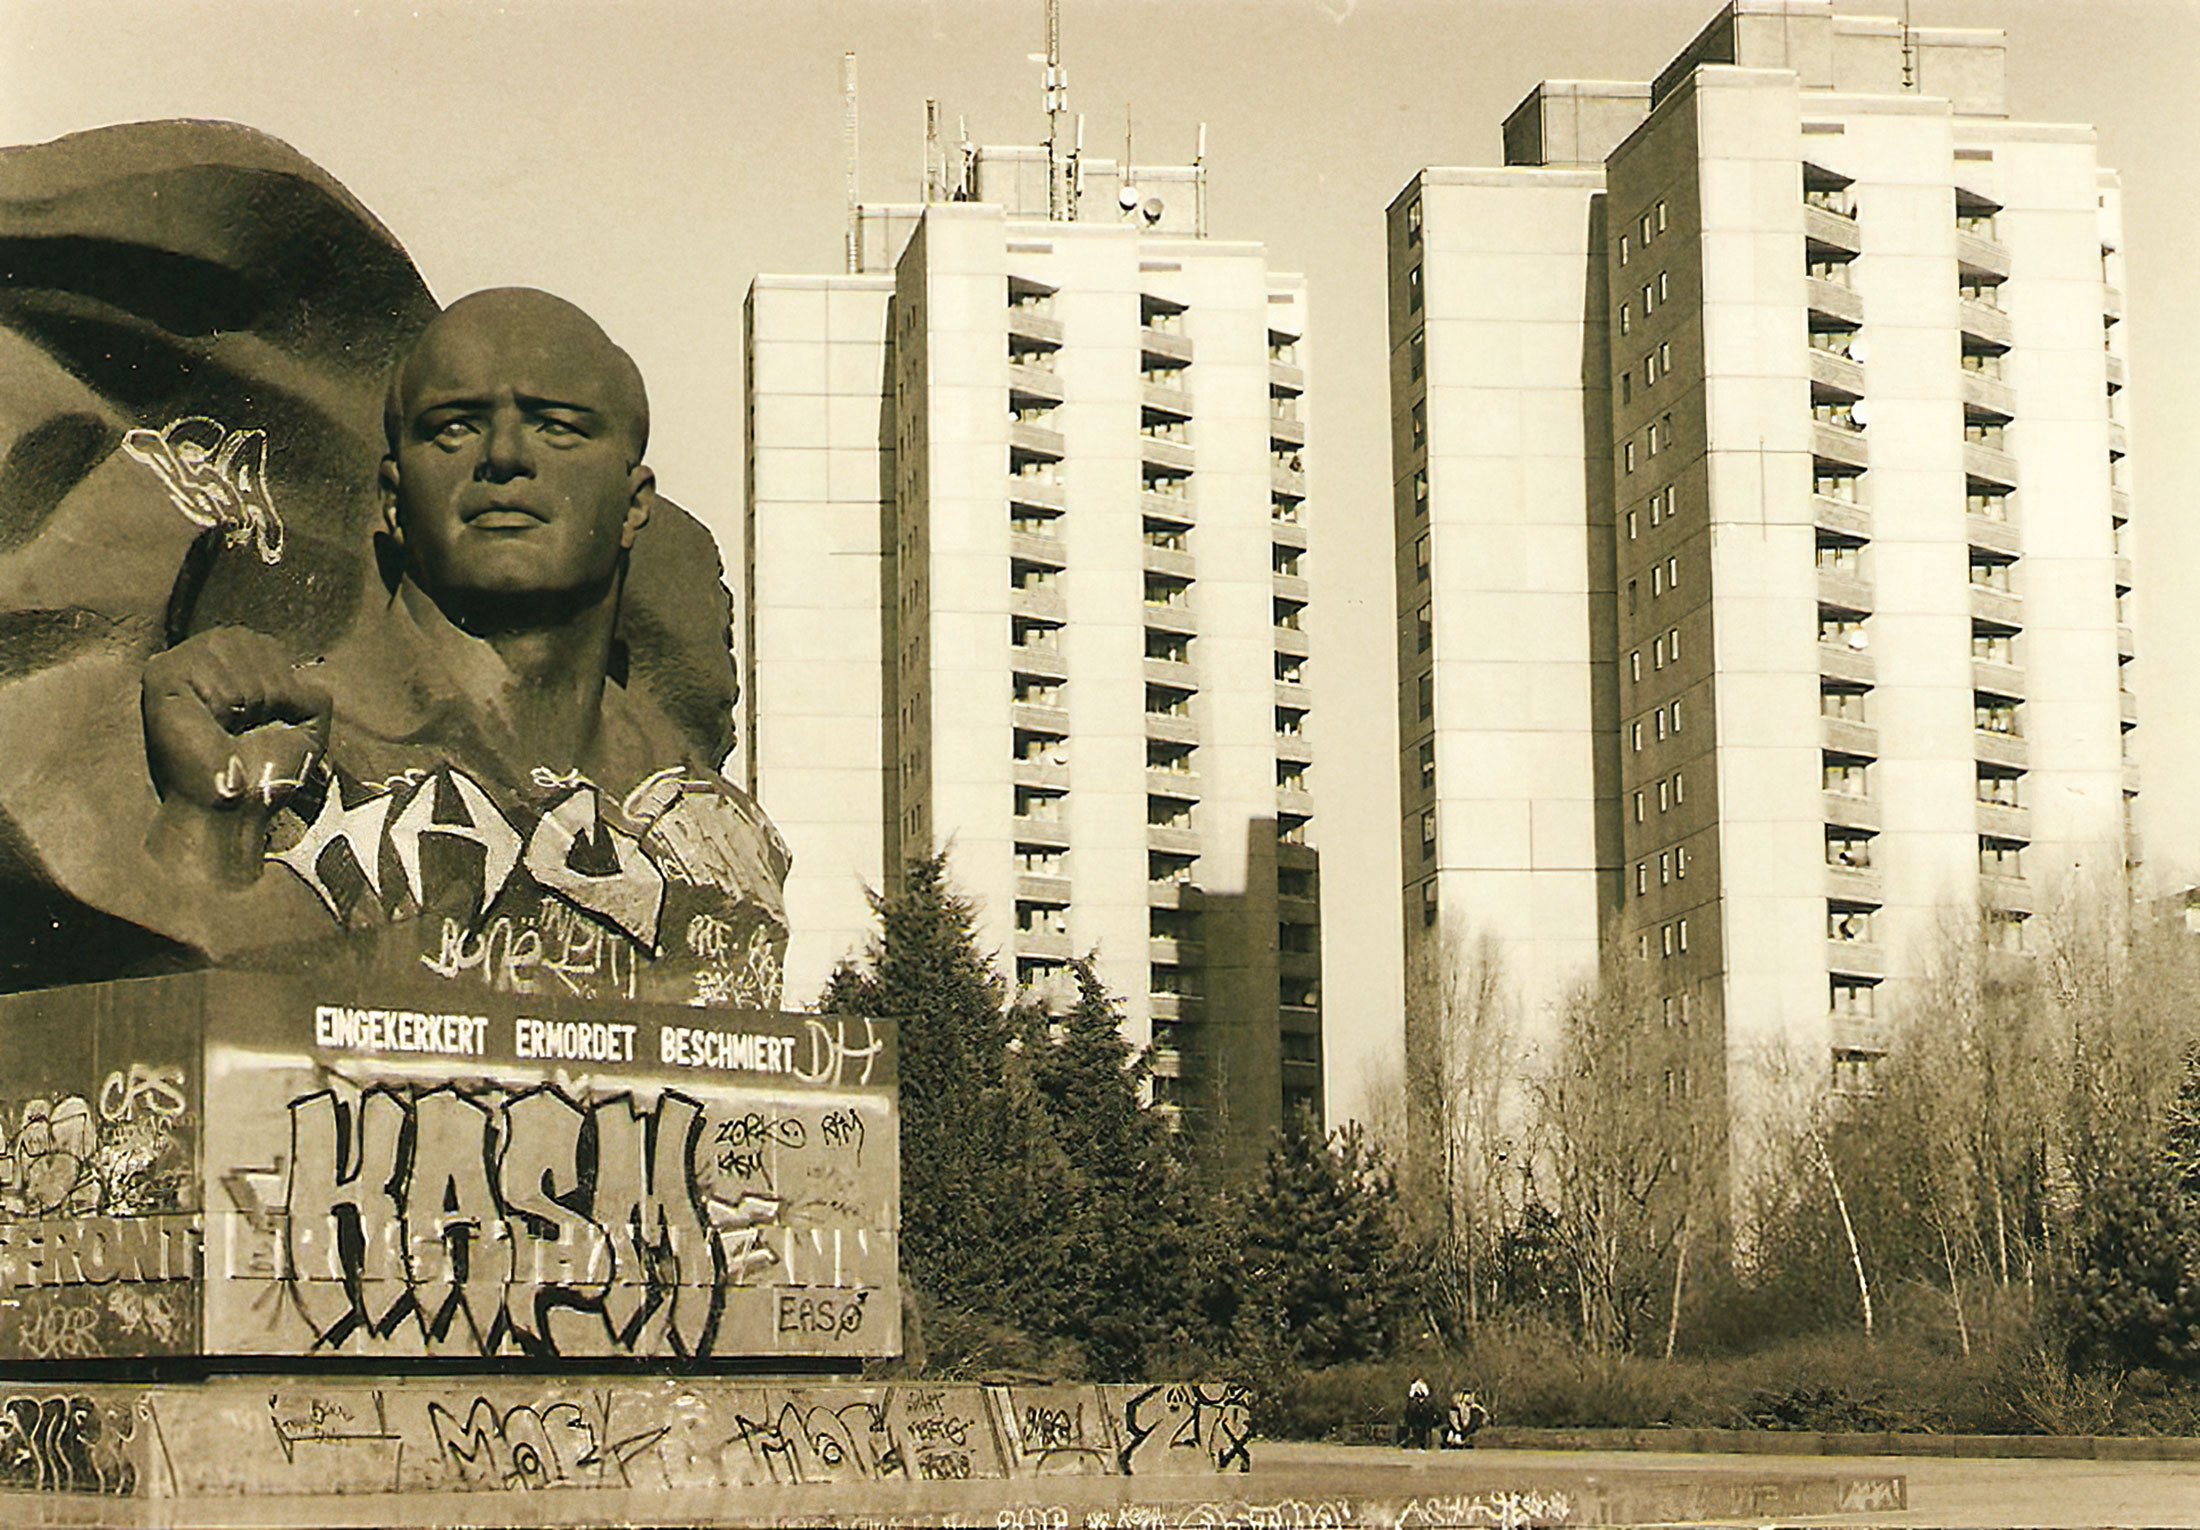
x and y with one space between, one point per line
536 689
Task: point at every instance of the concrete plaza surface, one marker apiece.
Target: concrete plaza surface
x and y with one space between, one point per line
1295 1485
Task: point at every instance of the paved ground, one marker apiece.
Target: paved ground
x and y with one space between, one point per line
1292 1487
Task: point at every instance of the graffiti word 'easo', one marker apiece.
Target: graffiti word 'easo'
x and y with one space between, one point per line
574 1040
688 1047
336 1027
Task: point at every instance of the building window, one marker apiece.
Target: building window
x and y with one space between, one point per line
1631 592
1413 221
1420 424
1638 737
1634 529
1420 491
1665 867
1673 573
1627 387
1420 558
1650 370
1428 764
1665 356
1657 580
1428 834
1661 287
1680 788
1845 775
1683 928
2000 857
1680 864
1657 653
1853 998
1665 938
1427 688
1623 249
1624 324
1848 849
1645 230
1673 644
1658 212
1661 724
1628 456
1642 878
1424 628
1428 901
1676 714
1638 807
1417 355
1634 666
1665 797
1413 289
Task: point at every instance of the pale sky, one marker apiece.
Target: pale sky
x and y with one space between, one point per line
646 159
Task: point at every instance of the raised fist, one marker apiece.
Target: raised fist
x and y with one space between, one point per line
231 723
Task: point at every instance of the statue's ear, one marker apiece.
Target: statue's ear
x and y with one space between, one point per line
386 487
641 499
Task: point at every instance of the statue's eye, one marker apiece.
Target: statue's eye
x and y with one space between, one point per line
553 426
453 431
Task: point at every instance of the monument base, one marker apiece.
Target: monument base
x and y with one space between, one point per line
236 1435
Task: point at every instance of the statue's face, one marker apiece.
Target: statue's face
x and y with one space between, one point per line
515 468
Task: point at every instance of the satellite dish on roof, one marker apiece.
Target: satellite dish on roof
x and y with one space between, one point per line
1127 198
1152 210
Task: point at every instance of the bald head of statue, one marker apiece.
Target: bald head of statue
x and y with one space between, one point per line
513 480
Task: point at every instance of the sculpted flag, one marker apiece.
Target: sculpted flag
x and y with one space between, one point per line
196 329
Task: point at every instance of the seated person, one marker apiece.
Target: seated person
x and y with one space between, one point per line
463 786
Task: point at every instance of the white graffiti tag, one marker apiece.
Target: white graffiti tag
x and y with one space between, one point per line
217 477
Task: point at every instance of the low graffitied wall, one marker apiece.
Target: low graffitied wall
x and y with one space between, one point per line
521 1434
235 1165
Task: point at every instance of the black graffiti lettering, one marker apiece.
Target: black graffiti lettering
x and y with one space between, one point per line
1214 1421
843 1128
61 1442
495 1227
755 1130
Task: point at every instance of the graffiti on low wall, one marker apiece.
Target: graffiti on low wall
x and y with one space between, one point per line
67 1442
540 1435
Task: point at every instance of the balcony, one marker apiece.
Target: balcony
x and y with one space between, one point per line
1046 832
1290 433
2119 506
1175 953
1181 674
1283 535
2131 779
1174 455
1849 812
1161 560
2112 302
1836 372
1985 322
2119 440
1285 375
1991 535
1997 679
1047 943
1171 783
2115 372
1039 717
1853 884
1168 400
1976 257
2004 822
1297 747
1996 608
1044 663
1163 728
1290 587
2125 646
1176 841
2127 708
1856 958
1043 604
1028 324
1990 463
1175 508
2007 750
1822 225
1834 301
1285 479
1843 516
1041 889
1842 736
1836 443
1838 661
1861 1034
1162 349
1038 493
2000 890
1291 640
1849 592
1182 619
1989 394
1034 382
1046 551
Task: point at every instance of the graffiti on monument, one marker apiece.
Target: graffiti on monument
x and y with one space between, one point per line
554 1202
120 1150
66 1442
1186 1427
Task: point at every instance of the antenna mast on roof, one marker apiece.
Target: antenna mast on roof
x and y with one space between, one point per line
935 169
1061 171
848 136
1909 50
1199 186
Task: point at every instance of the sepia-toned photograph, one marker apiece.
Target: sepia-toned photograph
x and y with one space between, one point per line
1063 764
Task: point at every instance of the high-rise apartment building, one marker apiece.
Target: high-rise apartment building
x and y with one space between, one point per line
1763 527
1025 569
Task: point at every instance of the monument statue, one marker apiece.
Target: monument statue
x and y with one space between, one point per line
453 708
